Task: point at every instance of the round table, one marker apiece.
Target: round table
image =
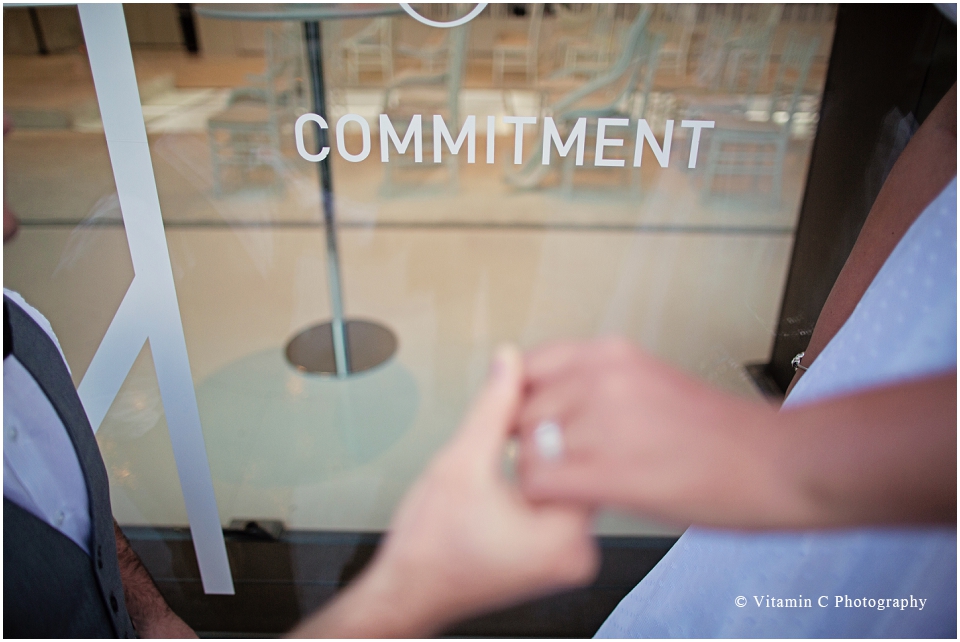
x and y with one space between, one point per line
338 346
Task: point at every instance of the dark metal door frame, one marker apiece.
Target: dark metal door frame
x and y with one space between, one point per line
888 63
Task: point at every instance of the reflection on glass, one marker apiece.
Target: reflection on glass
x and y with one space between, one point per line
453 256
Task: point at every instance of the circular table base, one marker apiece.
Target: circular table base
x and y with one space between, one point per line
368 345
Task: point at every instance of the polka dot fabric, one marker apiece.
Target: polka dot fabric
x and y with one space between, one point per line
708 584
905 326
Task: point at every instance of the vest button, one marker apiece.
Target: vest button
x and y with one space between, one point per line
113 603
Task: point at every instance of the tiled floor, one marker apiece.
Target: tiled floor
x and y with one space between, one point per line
319 453
453 272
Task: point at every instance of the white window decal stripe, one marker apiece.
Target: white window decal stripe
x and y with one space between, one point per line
149 310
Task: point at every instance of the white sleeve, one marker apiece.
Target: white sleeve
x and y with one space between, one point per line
40 319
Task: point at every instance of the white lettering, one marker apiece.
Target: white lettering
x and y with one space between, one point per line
603 141
341 144
551 138
298 131
644 133
469 132
414 132
551 134
491 137
519 122
697 126
820 601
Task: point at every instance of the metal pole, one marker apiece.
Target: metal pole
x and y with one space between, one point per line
188 27
42 48
311 31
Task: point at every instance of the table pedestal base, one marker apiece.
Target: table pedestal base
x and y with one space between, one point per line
368 345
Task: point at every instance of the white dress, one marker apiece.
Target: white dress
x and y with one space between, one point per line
716 583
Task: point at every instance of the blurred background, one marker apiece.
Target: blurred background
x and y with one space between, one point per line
453 258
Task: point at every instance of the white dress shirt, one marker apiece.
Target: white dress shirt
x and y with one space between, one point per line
41 472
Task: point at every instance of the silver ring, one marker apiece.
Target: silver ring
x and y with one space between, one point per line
548 438
795 362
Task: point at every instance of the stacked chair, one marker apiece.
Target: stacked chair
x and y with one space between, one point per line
758 147
519 53
623 91
246 134
428 94
369 49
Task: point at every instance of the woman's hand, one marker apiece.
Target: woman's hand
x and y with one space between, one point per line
641 436
636 434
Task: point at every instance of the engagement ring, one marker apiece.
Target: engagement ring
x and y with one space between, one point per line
549 440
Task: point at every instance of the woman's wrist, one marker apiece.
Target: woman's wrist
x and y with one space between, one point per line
763 488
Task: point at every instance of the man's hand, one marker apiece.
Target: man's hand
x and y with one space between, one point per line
464 540
637 435
149 612
165 627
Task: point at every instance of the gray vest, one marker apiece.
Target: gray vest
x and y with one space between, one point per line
51 586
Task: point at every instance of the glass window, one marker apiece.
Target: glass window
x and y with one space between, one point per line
541 172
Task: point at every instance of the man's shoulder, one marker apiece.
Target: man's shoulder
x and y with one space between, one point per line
37 317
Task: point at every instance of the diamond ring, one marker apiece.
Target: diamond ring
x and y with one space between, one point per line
548 438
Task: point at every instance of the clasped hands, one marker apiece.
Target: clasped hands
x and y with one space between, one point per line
465 539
